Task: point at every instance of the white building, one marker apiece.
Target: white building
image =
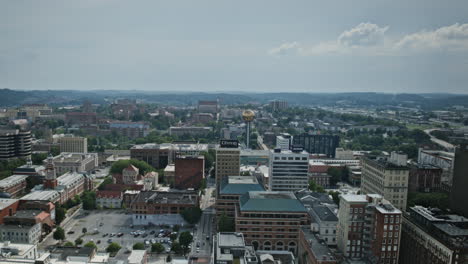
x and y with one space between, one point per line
288 170
70 143
324 222
21 234
79 162
19 251
109 199
284 141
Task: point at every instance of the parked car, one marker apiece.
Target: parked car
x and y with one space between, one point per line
71 232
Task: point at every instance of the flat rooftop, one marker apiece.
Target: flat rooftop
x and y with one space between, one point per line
46 195
270 202
226 239
6 202
320 249
12 180
170 197
356 198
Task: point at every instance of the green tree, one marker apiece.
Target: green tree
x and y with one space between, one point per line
176 228
176 247
185 239
118 166
169 258
69 244
78 241
59 234
157 248
107 180
89 200
335 196
192 215
226 224
90 244
173 237
113 248
84 230
139 246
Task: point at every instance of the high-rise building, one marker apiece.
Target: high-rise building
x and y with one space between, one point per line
369 228
227 160
284 141
156 155
288 170
130 129
387 177
458 192
208 107
189 172
15 143
318 144
278 105
70 143
430 236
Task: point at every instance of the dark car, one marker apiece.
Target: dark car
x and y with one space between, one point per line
98 242
120 234
71 232
152 232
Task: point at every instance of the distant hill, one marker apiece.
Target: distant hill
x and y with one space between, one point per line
10 97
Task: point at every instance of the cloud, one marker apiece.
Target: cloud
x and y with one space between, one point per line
370 39
364 34
454 37
286 48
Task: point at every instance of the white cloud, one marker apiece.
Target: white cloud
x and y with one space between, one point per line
286 48
364 34
370 39
452 37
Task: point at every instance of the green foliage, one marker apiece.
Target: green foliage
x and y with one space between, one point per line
118 166
90 244
226 224
89 200
185 239
210 158
78 241
169 258
38 158
60 214
69 244
113 248
439 200
139 246
107 180
157 248
59 234
335 196
176 228
176 247
315 187
7 167
192 215
173 237
84 230
337 175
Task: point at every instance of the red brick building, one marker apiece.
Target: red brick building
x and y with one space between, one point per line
13 185
189 172
271 220
8 207
424 178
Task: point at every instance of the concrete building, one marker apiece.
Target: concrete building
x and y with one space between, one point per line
312 251
192 131
109 199
130 174
424 178
254 157
80 119
278 105
130 129
324 223
156 155
271 220
288 170
75 162
13 185
369 228
18 251
227 161
231 189
388 177
70 143
230 248
162 207
138 257
318 144
15 144
318 172
342 154
169 174
189 172
29 234
284 141
208 107
431 236
458 192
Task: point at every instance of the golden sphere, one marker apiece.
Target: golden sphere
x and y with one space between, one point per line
248 115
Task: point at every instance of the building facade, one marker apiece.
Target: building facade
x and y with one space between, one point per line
13 185
189 172
15 144
318 144
231 189
156 155
288 170
75 162
458 192
387 177
70 143
130 129
227 163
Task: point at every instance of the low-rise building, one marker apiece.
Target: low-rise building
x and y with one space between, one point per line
312 250
75 162
70 143
189 172
162 207
189 131
324 223
138 257
130 129
18 251
109 199
29 234
13 185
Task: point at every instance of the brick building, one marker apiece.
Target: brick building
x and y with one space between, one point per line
312 251
424 178
13 185
231 189
189 172
79 118
271 220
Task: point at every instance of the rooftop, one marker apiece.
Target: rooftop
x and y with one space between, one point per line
46 195
271 202
136 256
324 213
240 185
6 202
354 198
319 249
226 239
170 197
12 180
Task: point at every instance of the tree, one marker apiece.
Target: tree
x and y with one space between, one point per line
59 234
90 244
69 244
176 247
84 230
169 258
107 180
192 215
336 175
118 166
60 214
185 239
89 200
113 248
225 224
173 237
176 228
315 187
78 241
335 197
139 246
157 247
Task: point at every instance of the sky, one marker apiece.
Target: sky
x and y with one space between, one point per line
392 46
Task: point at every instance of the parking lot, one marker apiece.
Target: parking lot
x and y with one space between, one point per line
104 226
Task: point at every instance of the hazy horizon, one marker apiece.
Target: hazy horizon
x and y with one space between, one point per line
233 47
